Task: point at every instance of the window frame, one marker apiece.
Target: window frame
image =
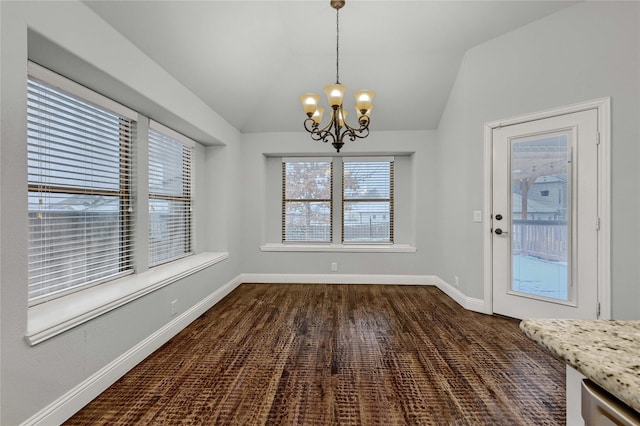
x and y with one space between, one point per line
185 197
337 241
390 199
58 315
37 75
285 200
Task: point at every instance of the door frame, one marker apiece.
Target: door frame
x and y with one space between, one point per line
603 107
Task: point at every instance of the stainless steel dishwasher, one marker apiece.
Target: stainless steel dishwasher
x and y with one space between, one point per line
600 408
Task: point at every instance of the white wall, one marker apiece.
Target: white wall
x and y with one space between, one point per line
588 51
34 376
415 203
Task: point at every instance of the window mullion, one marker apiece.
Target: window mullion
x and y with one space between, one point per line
126 208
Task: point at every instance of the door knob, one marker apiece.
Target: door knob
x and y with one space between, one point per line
499 231
498 216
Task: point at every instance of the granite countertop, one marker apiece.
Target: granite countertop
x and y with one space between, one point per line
607 352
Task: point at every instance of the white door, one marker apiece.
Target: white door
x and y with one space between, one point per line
545 217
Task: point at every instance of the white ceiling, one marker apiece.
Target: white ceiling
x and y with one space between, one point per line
250 60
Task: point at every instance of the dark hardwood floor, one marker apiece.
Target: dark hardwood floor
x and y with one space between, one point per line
339 354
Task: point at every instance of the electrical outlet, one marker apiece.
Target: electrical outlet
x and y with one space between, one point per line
334 266
456 280
174 307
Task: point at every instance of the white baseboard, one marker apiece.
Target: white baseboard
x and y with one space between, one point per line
71 402
470 303
337 279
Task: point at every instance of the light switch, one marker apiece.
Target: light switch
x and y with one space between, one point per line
477 216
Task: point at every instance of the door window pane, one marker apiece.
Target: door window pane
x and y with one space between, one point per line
540 199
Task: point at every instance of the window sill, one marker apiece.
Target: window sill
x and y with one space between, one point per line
347 248
59 315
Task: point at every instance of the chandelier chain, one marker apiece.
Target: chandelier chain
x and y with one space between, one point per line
338 45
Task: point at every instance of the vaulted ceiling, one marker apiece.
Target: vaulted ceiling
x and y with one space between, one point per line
250 60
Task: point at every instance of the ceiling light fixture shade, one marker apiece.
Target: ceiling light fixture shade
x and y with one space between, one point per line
310 102
337 129
317 115
335 93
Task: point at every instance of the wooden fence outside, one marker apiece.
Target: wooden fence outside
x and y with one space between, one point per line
544 239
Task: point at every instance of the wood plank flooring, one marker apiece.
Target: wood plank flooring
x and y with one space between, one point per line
339 355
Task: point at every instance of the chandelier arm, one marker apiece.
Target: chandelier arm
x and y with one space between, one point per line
310 122
328 127
356 133
364 124
318 134
324 136
353 134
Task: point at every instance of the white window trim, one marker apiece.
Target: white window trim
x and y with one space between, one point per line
50 181
49 319
373 159
154 125
59 315
348 248
337 247
69 86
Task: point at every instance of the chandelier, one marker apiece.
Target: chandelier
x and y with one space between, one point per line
337 128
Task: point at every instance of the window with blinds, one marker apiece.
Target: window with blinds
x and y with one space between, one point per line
79 183
170 158
367 201
307 200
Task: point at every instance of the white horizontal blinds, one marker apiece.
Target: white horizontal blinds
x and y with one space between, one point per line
79 183
169 197
307 188
367 201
